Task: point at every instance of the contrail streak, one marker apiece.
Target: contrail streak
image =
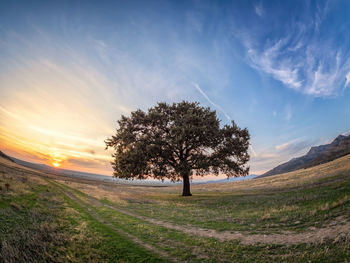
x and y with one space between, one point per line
221 109
211 102
252 150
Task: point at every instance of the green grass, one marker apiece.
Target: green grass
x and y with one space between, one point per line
198 249
43 225
263 211
42 220
115 247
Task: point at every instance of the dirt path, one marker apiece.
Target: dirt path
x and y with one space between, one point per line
338 227
119 231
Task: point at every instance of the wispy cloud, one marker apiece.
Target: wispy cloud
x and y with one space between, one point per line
258 8
347 81
211 102
300 60
272 156
269 61
346 133
62 96
289 113
293 146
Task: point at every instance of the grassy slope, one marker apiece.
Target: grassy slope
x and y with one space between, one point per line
293 201
296 201
40 224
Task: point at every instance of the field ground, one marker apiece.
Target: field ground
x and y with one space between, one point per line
301 216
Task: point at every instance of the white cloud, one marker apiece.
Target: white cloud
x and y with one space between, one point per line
71 95
258 8
347 77
289 113
269 61
300 61
347 133
268 158
313 69
287 145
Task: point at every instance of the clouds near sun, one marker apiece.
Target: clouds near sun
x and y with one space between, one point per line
69 71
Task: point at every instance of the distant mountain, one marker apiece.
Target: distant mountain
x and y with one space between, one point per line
64 172
316 155
99 177
6 157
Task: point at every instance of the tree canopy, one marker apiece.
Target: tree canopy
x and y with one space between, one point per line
177 141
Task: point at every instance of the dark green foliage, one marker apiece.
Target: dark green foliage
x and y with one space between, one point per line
176 141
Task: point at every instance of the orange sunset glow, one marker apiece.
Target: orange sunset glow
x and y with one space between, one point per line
56 164
68 74
45 122
175 131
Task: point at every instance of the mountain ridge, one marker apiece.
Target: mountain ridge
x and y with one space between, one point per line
320 154
5 156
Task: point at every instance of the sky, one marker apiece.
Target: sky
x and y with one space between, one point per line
70 69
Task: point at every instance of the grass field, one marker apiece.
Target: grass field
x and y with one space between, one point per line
302 216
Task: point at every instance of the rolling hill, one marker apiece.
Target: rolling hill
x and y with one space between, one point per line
6 157
105 178
300 216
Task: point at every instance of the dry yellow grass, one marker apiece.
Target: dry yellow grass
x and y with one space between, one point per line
291 179
122 193
286 209
17 181
115 194
10 170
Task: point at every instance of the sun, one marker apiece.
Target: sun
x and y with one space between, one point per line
56 158
56 164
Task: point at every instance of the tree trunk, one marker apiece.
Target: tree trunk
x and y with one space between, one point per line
186 187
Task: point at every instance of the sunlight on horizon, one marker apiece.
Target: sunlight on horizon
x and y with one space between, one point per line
56 164
67 76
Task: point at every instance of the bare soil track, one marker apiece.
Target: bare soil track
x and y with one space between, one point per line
337 228
100 219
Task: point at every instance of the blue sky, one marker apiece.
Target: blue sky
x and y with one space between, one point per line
69 69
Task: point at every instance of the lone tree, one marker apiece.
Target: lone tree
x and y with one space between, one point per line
176 141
